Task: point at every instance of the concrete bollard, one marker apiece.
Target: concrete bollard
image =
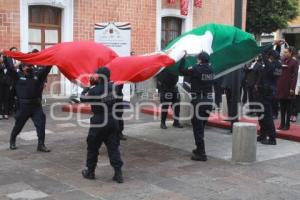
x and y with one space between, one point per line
244 142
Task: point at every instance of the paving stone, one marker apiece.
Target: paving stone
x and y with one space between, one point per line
66 125
14 188
157 166
32 135
75 195
27 194
217 145
284 181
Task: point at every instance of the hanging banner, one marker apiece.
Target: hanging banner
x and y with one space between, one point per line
116 35
184 7
198 3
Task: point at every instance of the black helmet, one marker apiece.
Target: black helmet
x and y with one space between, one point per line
104 71
204 57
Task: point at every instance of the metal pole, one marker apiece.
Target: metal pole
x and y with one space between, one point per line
238 13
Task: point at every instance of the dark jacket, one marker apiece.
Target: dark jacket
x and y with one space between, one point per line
29 87
288 79
166 82
5 75
267 78
202 77
100 95
251 73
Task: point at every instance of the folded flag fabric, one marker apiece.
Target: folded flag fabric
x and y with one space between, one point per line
228 46
74 59
138 68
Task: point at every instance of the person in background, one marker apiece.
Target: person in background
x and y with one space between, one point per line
265 90
296 101
169 95
232 85
13 102
252 74
286 86
5 88
120 107
218 92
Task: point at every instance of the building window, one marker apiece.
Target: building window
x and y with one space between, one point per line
45 31
44 27
170 29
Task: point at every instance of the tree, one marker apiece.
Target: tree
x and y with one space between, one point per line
266 16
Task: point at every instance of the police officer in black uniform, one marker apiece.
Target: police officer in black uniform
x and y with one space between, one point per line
202 80
29 88
120 107
104 127
265 92
169 95
5 88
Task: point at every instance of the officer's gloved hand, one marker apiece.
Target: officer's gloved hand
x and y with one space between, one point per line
185 54
94 79
85 91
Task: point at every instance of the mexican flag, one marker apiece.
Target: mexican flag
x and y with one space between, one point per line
227 45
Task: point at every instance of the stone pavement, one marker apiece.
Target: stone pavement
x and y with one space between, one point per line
157 166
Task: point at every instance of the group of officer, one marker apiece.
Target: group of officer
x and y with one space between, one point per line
7 89
269 70
105 128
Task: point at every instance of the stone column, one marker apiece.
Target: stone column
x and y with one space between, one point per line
244 142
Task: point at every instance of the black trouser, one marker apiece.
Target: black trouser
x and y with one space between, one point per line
167 99
12 101
119 114
232 105
251 99
275 107
201 109
245 90
218 93
295 106
4 99
107 134
35 112
285 112
267 127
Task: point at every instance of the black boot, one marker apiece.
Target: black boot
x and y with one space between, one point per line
12 143
163 126
118 177
271 141
42 148
176 124
261 138
122 137
88 174
199 154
